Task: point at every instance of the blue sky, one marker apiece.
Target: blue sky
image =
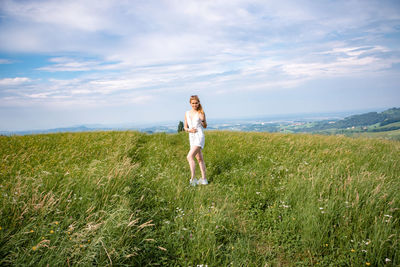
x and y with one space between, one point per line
66 63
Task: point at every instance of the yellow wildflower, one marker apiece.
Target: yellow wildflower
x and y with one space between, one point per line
326 245
51 232
0 228
368 263
34 248
352 250
32 231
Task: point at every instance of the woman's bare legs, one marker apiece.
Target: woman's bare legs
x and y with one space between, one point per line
200 159
190 157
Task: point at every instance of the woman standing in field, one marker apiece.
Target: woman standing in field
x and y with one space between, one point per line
195 122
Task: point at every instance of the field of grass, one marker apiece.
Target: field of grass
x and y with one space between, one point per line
359 132
123 198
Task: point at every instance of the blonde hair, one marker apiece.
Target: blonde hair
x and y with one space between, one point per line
195 97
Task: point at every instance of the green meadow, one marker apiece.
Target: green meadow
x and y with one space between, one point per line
123 198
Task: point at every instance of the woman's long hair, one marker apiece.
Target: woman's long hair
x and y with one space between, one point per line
195 97
200 109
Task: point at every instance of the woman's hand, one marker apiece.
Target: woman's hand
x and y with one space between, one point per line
193 130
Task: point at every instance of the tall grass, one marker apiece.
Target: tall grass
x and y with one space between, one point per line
123 198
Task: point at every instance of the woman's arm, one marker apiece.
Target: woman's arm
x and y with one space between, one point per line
202 117
185 126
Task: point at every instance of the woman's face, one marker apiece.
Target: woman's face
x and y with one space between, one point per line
195 104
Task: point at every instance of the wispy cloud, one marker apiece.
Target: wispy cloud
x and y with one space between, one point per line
78 15
14 81
356 51
344 61
70 64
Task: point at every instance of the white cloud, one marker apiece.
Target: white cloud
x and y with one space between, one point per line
76 92
79 15
356 51
69 64
14 81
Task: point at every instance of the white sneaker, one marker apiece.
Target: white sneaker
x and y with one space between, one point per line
193 182
202 181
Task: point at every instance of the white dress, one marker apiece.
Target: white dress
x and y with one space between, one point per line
197 138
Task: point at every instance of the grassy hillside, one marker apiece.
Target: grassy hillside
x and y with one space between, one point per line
123 198
381 133
389 135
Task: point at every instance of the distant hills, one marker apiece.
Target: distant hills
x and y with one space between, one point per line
385 124
355 125
169 128
369 119
81 128
387 121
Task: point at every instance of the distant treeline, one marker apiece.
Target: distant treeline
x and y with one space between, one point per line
385 129
389 121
